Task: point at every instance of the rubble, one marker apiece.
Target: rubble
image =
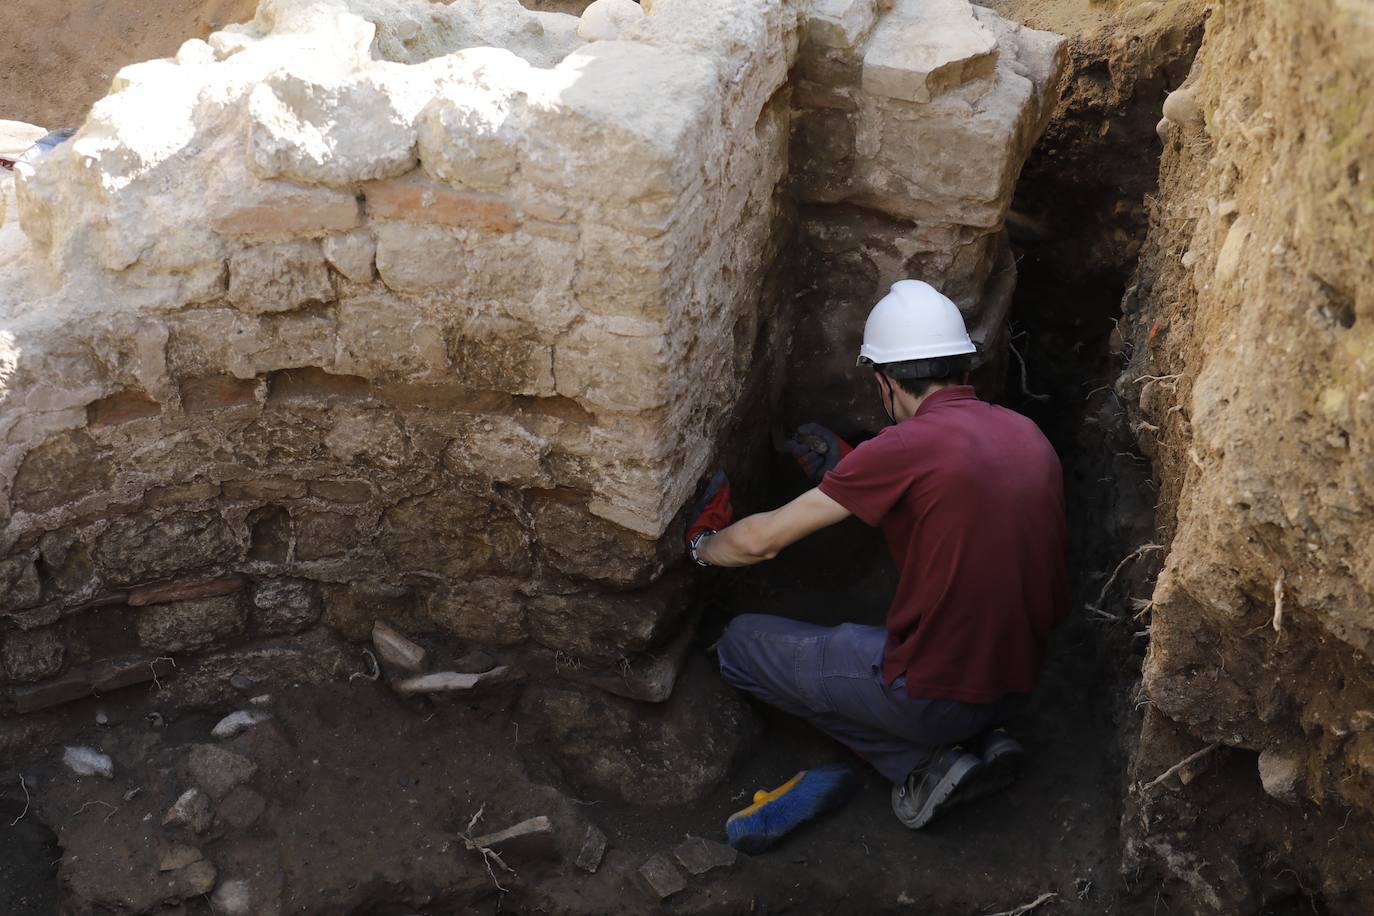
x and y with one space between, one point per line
592 850
397 651
455 682
660 879
191 811
236 723
86 761
699 855
217 770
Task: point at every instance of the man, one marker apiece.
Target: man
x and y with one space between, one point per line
969 497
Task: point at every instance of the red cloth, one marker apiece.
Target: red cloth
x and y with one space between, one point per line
970 498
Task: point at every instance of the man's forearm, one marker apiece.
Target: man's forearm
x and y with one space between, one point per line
741 544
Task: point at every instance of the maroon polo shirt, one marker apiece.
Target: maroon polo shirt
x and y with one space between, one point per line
970 498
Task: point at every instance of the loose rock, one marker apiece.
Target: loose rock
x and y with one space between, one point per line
179 857
190 811
237 723
455 682
396 650
86 761
593 850
218 770
233 898
699 855
1280 774
660 878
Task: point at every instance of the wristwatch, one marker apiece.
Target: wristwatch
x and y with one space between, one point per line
696 542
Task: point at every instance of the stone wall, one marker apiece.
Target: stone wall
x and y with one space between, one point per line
1251 327
342 315
439 313
911 123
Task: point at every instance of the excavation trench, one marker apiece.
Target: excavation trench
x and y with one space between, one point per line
462 374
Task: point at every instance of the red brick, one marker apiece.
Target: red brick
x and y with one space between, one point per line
417 200
122 407
73 685
290 216
115 673
184 591
217 392
341 491
180 494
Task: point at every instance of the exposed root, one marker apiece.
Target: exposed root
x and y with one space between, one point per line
1196 755
489 855
1278 602
1025 908
26 801
1025 386
376 670
1096 607
113 808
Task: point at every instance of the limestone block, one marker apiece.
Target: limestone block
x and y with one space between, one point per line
19 584
414 258
842 24
352 609
486 611
417 199
456 533
278 278
190 626
921 48
614 137
359 128
577 543
133 550
470 132
495 354
353 254
31 655
324 535
608 624
497 448
64 469
1281 774
621 274
276 208
616 365
284 605
218 770
605 20
377 337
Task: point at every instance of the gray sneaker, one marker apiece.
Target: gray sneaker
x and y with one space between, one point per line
932 790
1002 757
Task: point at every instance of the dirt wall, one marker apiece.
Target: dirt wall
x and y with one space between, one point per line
1250 328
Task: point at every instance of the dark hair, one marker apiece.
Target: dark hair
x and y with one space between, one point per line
916 376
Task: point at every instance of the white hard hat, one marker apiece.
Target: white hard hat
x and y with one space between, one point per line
914 321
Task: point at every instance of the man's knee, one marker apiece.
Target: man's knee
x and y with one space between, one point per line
732 650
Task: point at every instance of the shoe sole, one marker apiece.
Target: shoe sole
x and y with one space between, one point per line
946 794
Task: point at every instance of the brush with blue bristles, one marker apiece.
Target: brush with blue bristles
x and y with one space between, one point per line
802 798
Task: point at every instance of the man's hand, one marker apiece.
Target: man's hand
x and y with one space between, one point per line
816 450
760 537
713 511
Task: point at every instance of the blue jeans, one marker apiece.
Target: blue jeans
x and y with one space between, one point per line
833 678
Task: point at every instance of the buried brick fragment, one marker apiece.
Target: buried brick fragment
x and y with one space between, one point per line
660 878
397 651
454 682
593 850
184 591
699 855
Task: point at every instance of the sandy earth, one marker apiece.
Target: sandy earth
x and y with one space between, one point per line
58 56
